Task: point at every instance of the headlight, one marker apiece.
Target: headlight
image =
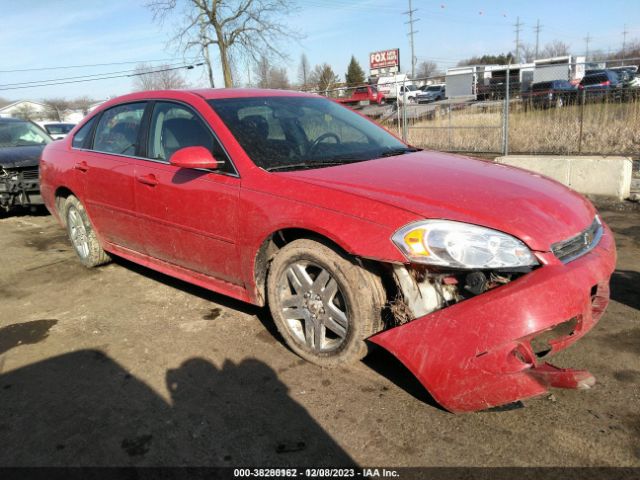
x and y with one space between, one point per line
461 245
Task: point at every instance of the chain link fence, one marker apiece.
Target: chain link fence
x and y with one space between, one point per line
548 107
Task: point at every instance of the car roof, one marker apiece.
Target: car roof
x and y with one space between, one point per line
204 93
13 120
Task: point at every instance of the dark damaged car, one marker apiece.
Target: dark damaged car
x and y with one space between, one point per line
21 144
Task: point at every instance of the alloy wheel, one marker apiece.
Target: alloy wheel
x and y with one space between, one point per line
313 306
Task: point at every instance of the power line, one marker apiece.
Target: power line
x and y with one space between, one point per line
95 75
108 77
63 67
411 21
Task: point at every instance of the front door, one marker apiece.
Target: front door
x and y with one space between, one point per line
188 217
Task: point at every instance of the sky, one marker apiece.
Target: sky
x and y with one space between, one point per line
42 36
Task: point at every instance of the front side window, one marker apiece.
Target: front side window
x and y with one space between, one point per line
117 131
21 134
175 126
302 132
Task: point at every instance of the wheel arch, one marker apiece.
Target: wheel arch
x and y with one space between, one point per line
60 196
273 243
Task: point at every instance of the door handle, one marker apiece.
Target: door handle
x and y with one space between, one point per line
82 166
149 179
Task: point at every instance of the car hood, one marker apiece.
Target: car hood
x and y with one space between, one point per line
536 209
18 157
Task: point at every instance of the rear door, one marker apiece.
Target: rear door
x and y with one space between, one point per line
188 217
108 171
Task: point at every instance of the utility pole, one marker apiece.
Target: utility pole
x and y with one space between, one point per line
624 41
537 30
518 26
587 40
411 33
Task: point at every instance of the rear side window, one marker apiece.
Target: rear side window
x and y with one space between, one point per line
80 138
175 126
594 79
117 131
541 86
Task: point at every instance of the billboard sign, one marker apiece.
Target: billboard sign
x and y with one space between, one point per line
385 59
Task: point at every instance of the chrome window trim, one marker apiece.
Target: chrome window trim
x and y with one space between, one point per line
228 174
234 174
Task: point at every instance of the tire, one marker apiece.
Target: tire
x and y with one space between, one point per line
323 304
82 234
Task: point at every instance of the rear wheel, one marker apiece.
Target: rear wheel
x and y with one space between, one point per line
82 235
323 304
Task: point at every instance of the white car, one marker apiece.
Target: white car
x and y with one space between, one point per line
58 130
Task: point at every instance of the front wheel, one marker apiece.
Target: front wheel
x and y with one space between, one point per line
323 304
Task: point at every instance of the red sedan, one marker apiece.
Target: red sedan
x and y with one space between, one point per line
471 273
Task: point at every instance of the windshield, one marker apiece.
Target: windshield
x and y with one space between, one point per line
280 133
411 88
21 134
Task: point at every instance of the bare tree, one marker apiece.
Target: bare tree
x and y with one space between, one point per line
261 71
246 28
527 52
270 77
163 77
26 112
426 69
556 48
278 78
55 108
82 103
323 77
304 70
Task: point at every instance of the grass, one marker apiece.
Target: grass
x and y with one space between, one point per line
607 129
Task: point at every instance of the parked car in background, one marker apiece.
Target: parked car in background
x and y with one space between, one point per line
350 236
408 93
431 93
556 93
21 144
58 130
603 85
364 95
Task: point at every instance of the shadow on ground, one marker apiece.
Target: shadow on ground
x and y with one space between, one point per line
625 285
82 408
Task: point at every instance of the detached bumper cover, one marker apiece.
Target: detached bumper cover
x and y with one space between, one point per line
477 354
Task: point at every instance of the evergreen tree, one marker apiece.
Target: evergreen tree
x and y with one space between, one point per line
355 74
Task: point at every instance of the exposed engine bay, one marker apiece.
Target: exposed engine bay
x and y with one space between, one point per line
422 290
19 187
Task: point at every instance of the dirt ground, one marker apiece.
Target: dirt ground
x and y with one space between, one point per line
123 366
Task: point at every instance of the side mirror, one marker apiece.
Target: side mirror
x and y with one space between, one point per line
194 157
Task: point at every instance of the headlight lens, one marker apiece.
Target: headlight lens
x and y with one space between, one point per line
461 245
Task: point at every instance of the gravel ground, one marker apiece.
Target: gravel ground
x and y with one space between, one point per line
123 366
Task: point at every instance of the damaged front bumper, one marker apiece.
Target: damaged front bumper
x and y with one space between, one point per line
488 351
19 187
